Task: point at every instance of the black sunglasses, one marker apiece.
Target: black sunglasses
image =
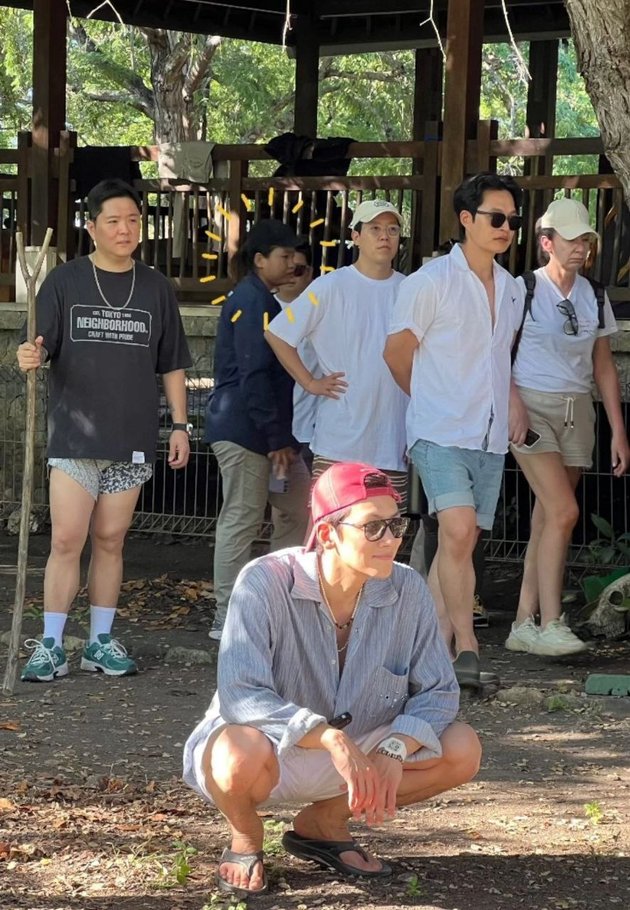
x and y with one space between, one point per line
375 530
571 325
498 219
299 270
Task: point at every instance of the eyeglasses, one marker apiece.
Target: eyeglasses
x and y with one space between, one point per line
571 325
498 219
299 270
390 230
375 530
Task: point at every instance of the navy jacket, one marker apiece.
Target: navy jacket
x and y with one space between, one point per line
252 401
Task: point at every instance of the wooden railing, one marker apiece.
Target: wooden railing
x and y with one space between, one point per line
190 231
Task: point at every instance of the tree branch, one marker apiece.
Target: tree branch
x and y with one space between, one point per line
140 95
115 98
201 65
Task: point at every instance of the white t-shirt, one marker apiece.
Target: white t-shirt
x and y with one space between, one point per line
304 404
347 328
460 379
549 359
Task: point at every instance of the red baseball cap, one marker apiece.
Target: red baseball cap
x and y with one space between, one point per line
343 485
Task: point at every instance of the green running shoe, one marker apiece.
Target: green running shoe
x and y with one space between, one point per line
46 662
108 656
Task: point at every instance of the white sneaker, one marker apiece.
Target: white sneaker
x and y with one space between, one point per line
523 636
557 639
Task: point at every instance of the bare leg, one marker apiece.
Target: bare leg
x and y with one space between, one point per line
110 523
554 486
446 626
457 537
71 507
241 770
528 604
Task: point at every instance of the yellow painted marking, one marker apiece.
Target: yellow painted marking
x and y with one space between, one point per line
265 321
289 313
270 196
236 316
298 205
313 298
218 300
246 202
209 256
207 278
316 223
223 212
328 268
213 236
328 242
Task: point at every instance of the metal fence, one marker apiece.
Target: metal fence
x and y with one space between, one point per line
187 503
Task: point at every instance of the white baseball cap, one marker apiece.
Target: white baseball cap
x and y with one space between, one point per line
368 211
568 217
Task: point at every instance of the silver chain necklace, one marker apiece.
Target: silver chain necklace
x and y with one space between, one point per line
100 289
344 625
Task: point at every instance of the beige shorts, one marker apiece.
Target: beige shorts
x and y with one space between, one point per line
566 423
306 775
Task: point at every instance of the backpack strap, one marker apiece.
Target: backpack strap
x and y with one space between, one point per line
530 286
600 295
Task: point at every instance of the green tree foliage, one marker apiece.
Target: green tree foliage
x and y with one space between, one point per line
244 92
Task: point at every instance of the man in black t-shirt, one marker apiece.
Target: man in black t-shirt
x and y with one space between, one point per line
106 325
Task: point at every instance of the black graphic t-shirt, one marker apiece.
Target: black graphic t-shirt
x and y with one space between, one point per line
104 354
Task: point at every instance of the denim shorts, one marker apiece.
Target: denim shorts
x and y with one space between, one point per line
454 477
98 476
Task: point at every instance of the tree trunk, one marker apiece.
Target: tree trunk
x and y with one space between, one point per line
601 31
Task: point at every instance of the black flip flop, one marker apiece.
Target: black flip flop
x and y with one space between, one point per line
247 861
466 666
326 854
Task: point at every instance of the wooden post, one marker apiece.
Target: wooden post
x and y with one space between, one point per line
541 101
427 99
49 108
462 90
306 76
30 279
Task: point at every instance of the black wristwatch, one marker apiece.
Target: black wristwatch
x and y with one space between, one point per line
186 427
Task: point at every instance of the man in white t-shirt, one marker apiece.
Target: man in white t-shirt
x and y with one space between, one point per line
449 348
345 316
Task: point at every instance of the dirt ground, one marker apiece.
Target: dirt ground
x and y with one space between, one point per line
93 815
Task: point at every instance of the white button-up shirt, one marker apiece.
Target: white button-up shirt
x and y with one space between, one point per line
460 380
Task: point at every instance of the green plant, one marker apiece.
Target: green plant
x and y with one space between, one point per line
181 865
224 902
414 889
557 703
594 812
272 844
609 548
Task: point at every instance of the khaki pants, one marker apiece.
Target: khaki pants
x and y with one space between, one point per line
245 481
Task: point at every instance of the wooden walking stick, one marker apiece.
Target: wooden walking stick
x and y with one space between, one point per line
30 279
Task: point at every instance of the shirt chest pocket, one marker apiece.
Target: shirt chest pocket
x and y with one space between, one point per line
387 693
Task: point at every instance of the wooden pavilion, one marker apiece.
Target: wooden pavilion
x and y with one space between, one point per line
446 139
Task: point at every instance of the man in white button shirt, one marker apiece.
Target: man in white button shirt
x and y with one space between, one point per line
345 316
449 348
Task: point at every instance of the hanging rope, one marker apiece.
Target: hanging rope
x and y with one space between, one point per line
287 24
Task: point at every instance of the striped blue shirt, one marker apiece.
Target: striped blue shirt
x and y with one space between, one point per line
278 668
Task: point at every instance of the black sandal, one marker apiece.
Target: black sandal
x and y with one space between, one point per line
247 861
326 853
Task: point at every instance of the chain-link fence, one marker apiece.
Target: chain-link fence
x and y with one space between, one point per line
187 502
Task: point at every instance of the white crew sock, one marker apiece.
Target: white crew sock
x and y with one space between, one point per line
101 621
53 626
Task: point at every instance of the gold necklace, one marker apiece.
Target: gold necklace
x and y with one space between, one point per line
344 625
